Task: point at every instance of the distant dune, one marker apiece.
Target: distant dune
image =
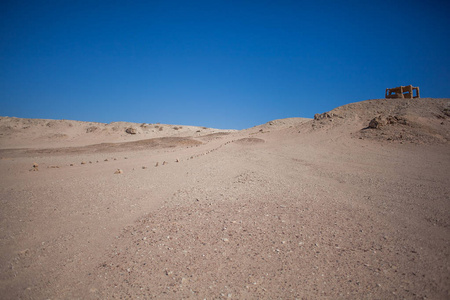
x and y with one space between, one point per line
403 120
351 204
27 133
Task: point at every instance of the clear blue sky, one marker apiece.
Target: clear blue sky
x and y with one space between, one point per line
222 64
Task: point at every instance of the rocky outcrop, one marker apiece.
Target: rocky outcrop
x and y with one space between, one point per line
379 121
131 130
324 115
91 129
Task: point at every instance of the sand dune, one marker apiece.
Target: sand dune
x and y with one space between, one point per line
351 204
42 133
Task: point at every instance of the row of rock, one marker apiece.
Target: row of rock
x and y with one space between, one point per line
35 166
119 171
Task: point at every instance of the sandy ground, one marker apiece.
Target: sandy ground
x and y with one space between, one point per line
327 208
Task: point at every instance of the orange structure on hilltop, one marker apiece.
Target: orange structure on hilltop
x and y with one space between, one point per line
402 92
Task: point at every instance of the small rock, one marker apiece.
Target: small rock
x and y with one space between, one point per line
35 167
164 163
118 171
377 122
156 164
83 162
131 130
144 167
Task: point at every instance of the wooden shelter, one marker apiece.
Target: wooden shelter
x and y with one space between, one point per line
403 92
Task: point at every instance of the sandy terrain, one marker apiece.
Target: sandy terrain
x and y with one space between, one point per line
328 208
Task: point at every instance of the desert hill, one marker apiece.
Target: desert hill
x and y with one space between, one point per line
412 120
351 204
39 133
423 120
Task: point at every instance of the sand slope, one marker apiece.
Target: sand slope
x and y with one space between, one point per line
296 208
41 133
